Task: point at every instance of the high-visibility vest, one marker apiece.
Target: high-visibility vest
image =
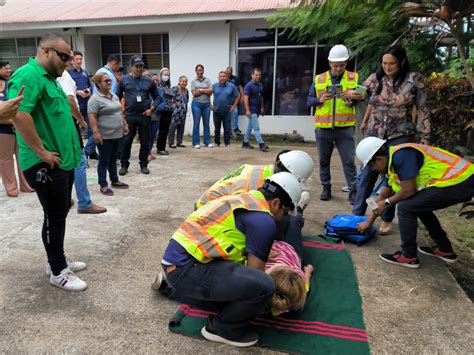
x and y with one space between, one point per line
243 179
210 232
345 116
440 168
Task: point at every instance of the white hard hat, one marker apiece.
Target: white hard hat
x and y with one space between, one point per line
288 183
338 53
367 147
298 163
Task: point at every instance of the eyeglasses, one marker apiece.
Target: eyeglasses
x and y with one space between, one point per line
108 81
63 56
285 209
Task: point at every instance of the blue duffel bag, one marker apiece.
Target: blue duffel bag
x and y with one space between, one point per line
344 226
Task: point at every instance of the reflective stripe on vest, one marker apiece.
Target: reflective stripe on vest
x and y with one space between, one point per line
210 232
344 116
440 168
250 178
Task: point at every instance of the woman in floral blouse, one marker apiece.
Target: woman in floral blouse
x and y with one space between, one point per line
398 113
180 109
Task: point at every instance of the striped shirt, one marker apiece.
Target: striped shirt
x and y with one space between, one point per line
287 256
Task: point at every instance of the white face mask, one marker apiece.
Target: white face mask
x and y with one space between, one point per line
165 78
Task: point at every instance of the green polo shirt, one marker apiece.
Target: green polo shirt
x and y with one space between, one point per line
46 102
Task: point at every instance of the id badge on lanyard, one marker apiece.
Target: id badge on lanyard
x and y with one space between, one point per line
139 98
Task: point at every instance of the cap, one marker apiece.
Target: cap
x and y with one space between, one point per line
136 60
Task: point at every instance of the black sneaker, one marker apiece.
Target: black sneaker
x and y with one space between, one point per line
247 145
123 171
352 196
237 131
244 341
94 156
398 259
144 170
326 194
436 252
264 147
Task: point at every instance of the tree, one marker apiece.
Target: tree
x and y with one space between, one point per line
368 26
449 20
365 27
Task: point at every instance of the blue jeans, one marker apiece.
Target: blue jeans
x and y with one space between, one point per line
253 124
80 184
199 110
235 118
90 145
221 118
367 179
108 154
236 292
154 126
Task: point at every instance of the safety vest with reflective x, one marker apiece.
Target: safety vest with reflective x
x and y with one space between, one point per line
440 168
245 178
334 113
210 232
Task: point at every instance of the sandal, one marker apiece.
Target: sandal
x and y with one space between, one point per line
106 191
120 185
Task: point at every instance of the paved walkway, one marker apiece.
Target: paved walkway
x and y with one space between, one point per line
409 311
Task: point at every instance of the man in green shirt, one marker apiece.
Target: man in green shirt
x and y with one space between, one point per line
49 149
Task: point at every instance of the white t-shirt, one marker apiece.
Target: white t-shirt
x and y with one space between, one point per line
68 85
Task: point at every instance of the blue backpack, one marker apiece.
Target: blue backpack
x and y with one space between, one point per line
344 226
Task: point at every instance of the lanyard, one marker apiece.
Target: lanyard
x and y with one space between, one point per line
138 86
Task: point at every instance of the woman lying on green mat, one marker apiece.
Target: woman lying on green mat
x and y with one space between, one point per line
292 283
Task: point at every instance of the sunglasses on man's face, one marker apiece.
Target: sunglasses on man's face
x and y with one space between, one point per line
63 56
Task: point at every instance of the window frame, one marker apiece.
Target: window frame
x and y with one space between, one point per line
162 53
275 48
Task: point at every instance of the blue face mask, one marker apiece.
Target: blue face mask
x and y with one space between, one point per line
165 78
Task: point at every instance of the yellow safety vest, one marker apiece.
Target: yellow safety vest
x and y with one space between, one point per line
243 179
440 168
345 116
210 232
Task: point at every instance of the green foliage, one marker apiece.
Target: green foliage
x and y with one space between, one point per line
451 104
366 27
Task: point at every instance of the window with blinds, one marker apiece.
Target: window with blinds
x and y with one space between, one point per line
154 49
17 51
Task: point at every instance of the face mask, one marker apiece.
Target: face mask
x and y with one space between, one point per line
165 78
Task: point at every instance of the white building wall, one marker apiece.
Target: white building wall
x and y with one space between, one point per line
211 43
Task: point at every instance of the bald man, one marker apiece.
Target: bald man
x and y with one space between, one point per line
49 149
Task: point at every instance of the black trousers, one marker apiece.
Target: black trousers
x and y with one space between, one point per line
165 119
54 194
142 125
421 206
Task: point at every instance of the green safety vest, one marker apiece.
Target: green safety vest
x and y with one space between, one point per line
345 116
210 232
440 168
245 178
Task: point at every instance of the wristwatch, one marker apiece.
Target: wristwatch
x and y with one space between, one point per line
387 202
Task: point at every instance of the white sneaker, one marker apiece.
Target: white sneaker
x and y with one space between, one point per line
74 266
304 200
345 189
68 281
210 145
197 146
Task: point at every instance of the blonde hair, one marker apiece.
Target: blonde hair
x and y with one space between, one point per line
97 77
290 291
